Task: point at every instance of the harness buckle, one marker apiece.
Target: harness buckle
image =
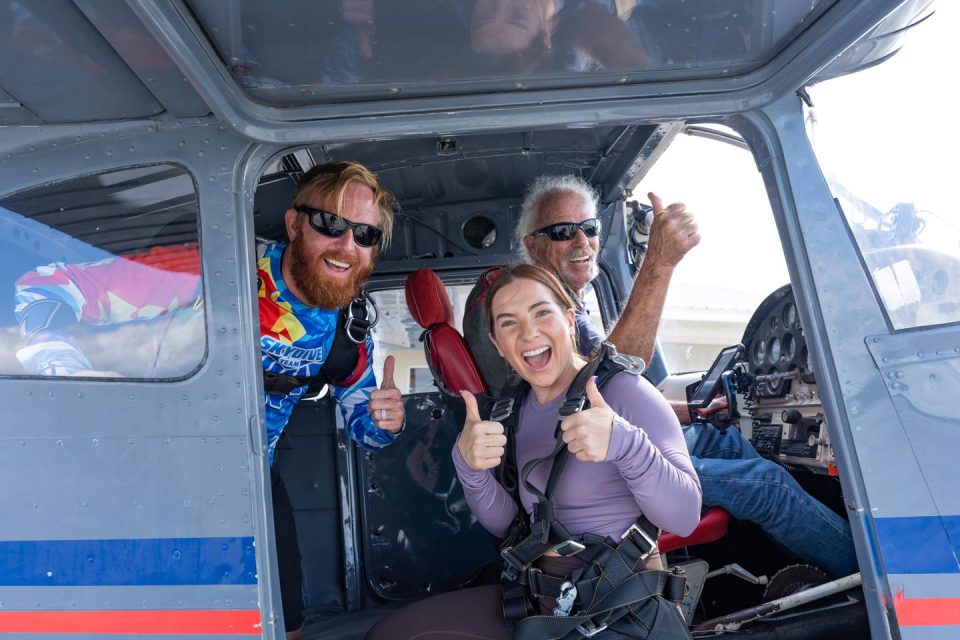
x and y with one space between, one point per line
568 596
650 542
501 409
568 548
572 406
355 323
589 629
513 563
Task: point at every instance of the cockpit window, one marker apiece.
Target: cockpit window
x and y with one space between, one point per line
297 53
898 192
102 277
739 261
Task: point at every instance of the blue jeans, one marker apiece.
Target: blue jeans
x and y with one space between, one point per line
735 477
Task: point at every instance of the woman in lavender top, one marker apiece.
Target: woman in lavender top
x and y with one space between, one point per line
628 455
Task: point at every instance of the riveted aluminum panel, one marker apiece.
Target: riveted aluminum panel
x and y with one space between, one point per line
921 371
143 465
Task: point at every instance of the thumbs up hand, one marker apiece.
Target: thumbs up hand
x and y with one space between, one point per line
587 433
482 442
386 403
672 234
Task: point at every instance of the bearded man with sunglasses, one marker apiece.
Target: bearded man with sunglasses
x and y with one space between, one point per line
338 222
559 230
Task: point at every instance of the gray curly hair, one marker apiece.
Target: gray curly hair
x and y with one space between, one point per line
541 188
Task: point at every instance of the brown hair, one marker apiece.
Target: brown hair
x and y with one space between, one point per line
524 271
332 178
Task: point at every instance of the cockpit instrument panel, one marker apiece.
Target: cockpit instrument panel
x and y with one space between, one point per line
781 411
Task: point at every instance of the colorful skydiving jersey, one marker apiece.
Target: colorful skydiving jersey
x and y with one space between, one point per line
295 340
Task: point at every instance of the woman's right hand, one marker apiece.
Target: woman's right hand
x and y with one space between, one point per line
482 442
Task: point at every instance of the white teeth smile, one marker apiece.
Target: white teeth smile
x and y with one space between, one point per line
341 265
580 260
534 352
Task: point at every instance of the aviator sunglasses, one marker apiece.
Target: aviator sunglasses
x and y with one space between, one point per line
563 231
333 226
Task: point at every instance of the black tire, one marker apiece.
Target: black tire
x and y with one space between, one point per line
793 579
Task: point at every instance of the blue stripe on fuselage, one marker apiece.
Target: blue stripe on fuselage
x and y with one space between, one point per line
922 544
150 561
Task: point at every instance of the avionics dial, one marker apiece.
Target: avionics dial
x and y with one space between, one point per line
789 348
773 350
760 353
789 315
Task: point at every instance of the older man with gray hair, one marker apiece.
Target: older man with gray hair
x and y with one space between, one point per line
559 230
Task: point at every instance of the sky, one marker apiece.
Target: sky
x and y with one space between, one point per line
885 133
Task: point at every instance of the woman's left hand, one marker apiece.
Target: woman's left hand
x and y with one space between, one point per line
587 433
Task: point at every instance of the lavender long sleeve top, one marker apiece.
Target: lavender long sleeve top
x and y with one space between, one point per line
647 470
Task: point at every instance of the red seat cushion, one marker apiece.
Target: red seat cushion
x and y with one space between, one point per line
450 359
713 526
453 362
427 299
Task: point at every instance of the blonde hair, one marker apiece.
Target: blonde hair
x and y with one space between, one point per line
332 179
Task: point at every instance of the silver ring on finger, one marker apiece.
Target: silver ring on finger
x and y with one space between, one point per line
383 415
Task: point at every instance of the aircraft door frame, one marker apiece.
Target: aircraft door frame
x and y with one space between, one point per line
884 480
170 469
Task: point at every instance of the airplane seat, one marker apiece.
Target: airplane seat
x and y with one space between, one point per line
713 526
454 370
450 361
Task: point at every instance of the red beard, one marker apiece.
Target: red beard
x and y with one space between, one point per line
320 291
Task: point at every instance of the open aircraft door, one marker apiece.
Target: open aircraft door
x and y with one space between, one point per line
134 495
889 384
143 481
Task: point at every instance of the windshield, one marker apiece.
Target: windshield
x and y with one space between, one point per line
886 150
294 53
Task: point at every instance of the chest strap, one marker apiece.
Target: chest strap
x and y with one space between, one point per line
347 354
610 580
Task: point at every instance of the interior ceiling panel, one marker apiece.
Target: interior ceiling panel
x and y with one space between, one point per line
13 113
60 68
445 170
129 37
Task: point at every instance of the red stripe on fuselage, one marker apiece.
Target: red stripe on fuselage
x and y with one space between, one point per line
244 623
926 612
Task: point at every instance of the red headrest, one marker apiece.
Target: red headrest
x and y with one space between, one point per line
427 299
452 361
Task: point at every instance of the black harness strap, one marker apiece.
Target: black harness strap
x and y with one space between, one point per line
547 534
353 325
610 585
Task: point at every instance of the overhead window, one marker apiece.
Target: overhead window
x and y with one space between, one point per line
102 277
322 51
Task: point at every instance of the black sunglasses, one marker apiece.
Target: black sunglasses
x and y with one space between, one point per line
563 231
334 226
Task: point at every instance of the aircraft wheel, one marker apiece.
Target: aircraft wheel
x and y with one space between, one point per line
793 579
